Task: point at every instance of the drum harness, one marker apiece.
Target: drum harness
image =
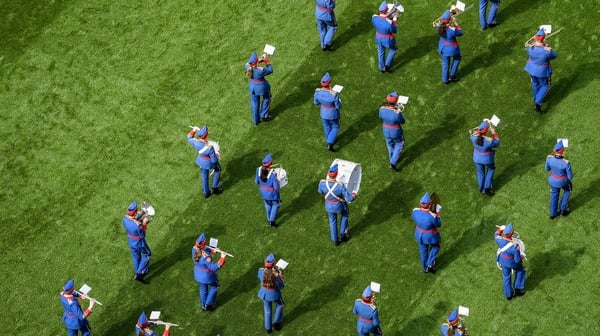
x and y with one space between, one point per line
330 191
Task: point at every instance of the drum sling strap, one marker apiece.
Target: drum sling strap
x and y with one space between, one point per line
504 248
204 149
330 191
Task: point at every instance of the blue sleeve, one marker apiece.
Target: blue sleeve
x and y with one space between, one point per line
268 70
393 28
280 283
257 177
517 255
375 318
495 143
260 274
337 102
315 99
320 189
438 221
275 182
347 195
569 172
401 118
547 164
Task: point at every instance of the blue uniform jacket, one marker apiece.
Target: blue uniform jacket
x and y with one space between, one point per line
426 226
448 45
257 84
136 235
538 64
368 318
205 269
207 159
330 103
270 294
384 31
484 154
560 171
324 10
392 122
73 317
269 190
511 257
336 200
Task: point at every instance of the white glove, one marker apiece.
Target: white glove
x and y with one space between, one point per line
502 227
195 128
438 208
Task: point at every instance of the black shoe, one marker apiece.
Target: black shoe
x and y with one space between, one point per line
538 108
140 278
518 292
382 71
509 298
272 224
336 243
388 69
489 192
430 269
267 118
454 79
552 217
207 195
492 25
565 212
216 191
203 308
277 325
345 237
271 330
210 308
446 83
393 167
330 148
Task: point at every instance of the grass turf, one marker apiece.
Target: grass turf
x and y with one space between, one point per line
95 102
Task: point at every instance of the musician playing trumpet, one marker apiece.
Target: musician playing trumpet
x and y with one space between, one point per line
510 259
453 326
448 29
539 68
391 115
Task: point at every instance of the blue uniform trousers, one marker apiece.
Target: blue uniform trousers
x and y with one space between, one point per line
260 109
485 175
326 31
394 146
384 62
272 207
85 331
564 201
491 17
141 259
333 224
540 87
268 308
205 178
449 66
519 282
428 254
331 127
208 293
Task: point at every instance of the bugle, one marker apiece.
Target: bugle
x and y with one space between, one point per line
165 323
218 250
394 10
529 43
83 296
147 211
462 327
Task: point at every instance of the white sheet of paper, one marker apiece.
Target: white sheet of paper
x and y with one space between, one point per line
464 311
564 140
375 286
400 8
402 99
154 315
546 28
281 264
269 49
214 242
460 6
495 120
337 88
85 289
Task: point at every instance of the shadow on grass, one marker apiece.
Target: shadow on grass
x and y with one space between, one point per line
242 284
584 196
305 200
422 325
327 292
361 24
517 8
365 124
583 75
421 47
126 317
493 53
241 167
543 266
524 158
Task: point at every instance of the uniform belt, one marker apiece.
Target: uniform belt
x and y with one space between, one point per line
257 80
267 288
203 268
204 157
391 126
385 35
543 64
332 201
365 319
328 10
70 314
505 256
133 237
484 153
560 177
453 43
328 107
266 188
426 231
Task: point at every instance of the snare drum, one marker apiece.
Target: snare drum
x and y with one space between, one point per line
349 174
281 176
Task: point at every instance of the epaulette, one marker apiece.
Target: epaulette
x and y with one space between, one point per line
550 156
209 259
565 160
317 89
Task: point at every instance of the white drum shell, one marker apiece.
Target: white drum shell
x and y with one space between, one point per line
281 176
349 174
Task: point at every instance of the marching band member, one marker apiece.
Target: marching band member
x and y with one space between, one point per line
330 110
326 22
136 238
272 282
205 273
74 318
207 159
142 327
368 316
391 115
560 178
259 87
483 156
448 47
451 327
337 198
384 37
510 259
539 68
268 188
426 233
490 21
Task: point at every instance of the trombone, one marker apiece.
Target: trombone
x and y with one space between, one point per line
454 12
529 43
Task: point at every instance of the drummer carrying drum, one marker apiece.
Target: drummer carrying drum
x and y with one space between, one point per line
269 186
337 198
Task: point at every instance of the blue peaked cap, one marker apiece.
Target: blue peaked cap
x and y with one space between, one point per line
446 15
253 58
426 199
559 146
367 293
202 132
143 320
132 206
326 79
508 230
453 316
484 124
201 239
541 32
334 168
270 259
267 160
69 285
383 7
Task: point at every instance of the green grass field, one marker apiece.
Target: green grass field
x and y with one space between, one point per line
95 100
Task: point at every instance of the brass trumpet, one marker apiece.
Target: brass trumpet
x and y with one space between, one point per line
454 12
529 43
